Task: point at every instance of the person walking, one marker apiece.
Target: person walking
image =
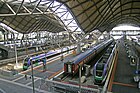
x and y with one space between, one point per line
25 76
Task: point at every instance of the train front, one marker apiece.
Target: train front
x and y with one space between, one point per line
69 67
99 73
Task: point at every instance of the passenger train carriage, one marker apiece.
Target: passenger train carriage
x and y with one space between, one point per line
102 67
42 57
72 65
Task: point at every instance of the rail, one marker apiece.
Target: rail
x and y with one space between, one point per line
53 86
5 61
104 90
10 60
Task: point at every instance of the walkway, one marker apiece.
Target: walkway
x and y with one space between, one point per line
123 79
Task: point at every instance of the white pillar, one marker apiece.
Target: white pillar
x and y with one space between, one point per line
16 56
78 48
79 79
37 48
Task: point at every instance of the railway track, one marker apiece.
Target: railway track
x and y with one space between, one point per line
62 77
66 77
12 60
49 61
74 79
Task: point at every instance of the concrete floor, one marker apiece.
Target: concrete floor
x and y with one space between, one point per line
123 79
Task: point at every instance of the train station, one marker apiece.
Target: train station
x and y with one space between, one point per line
69 46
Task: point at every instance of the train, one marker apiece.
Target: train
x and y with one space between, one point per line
42 57
71 66
37 59
102 66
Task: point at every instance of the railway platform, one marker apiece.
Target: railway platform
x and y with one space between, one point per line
39 75
123 81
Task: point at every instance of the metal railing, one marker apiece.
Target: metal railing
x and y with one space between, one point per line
54 86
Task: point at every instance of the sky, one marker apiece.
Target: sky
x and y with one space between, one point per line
126 27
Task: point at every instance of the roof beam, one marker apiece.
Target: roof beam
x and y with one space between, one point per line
39 10
22 14
78 4
119 20
48 6
84 12
92 13
134 18
119 13
131 8
106 7
19 7
36 6
110 7
87 9
27 10
121 7
107 18
11 9
101 21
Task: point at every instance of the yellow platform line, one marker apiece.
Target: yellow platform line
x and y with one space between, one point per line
18 78
123 84
24 72
113 73
55 74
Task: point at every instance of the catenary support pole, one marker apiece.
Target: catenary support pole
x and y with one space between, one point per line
32 76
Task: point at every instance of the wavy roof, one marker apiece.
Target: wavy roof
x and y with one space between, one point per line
104 14
38 15
26 17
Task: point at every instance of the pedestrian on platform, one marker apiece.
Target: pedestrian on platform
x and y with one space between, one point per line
25 76
62 58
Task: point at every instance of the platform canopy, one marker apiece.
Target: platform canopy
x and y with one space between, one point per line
40 15
103 14
27 16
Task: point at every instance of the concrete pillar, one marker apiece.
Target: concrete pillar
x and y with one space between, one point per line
7 37
37 48
124 34
16 56
109 36
14 38
11 38
106 36
38 36
79 79
21 41
4 38
78 48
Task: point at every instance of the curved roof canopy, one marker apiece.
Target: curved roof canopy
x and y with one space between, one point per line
103 14
26 17
36 15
